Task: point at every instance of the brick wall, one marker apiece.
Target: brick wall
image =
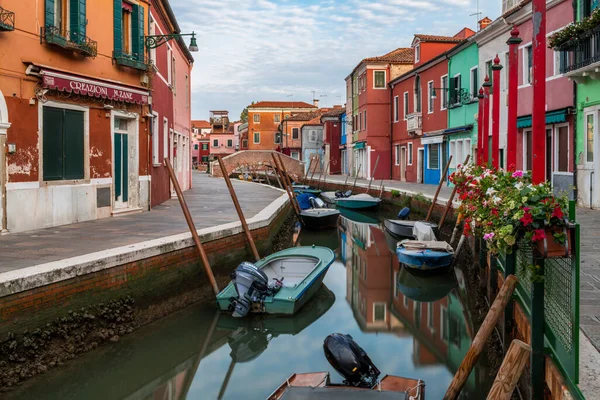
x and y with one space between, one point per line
255 158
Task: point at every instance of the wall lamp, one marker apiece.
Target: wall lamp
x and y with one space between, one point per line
154 41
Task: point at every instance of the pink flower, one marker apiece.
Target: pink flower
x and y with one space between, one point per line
489 236
517 174
538 234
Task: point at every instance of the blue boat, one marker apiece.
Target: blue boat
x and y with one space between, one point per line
424 255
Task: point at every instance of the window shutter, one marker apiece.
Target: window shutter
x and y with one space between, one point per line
118 27
77 23
458 85
118 166
125 174
53 144
73 145
49 18
452 91
137 32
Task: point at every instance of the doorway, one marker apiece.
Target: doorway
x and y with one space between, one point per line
420 161
121 162
402 164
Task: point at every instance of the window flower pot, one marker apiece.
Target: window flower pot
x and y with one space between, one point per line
548 247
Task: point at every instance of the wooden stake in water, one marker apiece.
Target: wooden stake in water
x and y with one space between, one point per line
288 190
345 183
324 175
194 232
240 213
356 177
314 170
510 371
373 175
449 204
305 181
437 192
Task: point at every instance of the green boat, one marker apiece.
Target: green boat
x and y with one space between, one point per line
360 201
277 284
309 190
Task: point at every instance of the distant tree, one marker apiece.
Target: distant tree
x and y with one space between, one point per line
244 114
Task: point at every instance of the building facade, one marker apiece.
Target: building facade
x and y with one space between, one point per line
332 129
313 146
291 132
200 142
222 135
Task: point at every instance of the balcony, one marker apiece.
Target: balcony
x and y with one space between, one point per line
414 123
580 57
73 41
132 60
7 20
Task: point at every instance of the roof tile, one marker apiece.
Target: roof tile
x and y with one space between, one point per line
281 104
400 55
435 38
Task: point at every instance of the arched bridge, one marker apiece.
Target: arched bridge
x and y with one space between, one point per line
257 159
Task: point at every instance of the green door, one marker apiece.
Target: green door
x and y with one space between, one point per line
121 168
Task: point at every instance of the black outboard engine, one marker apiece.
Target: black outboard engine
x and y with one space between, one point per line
350 361
316 202
252 286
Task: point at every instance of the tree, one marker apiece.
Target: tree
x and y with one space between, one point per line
244 114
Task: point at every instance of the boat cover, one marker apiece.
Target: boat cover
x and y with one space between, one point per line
339 393
426 245
423 232
304 200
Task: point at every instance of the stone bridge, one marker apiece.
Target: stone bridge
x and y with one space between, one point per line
257 159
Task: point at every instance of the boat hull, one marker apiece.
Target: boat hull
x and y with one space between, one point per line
320 218
310 191
402 228
289 299
424 259
358 204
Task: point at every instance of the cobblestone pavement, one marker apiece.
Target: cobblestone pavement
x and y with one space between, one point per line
589 308
209 203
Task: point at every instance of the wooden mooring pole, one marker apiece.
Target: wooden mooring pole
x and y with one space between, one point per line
324 175
313 173
240 213
491 319
285 186
305 181
437 192
194 232
510 371
373 176
356 177
451 198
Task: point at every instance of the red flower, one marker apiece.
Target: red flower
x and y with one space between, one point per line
467 230
526 209
538 234
527 218
558 213
494 212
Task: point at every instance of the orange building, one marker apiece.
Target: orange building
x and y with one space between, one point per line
264 119
75 90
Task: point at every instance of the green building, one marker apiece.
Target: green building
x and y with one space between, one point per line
462 85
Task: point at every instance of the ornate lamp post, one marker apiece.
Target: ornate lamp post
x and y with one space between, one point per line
154 41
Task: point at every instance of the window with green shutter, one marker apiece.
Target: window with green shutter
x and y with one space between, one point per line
129 35
63 144
77 21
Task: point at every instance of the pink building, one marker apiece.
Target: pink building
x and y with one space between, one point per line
200 142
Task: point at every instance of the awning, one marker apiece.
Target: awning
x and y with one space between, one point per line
93 88
552 117
432 140
458 129
359 145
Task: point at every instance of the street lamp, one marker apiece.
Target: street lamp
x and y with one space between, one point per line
154 41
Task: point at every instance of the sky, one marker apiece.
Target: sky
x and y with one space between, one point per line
282 50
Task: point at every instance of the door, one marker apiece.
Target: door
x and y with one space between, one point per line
420 165
121 163
403 164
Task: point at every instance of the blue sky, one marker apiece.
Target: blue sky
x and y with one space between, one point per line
270 49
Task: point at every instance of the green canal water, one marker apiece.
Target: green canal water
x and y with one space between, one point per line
410 325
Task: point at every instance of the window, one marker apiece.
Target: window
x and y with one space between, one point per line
126 11
528 60
295 133
430 97
588 6
256 137
277 137
434 156
455 85
444 85
312 136
63 141
229 143
397 154
405 105
360 121
418 94
474 82
417 52
295 155
467 150
61 15
204 146
155 127
245 143
169 66
256 118
379 79
410 154
196 146
128 33
379 311
215 142
276 118
152 33
165 138
590 122
204 159
365 119
527 150
396 108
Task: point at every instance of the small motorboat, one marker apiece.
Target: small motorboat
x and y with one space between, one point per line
299 186
361 201
404 229
361 377
329 197
426 252
305 200
277 284
319 217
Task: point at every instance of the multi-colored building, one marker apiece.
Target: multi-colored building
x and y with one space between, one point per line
222 134
76 116
200 142
332 129
291 133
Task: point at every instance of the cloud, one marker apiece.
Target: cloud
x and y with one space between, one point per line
269 49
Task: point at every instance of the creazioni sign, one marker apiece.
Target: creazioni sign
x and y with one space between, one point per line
94 90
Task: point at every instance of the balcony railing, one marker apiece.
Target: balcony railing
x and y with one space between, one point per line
7 20
74 41
579 53
132 60
414 122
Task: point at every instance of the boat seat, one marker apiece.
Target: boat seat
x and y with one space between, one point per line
294 271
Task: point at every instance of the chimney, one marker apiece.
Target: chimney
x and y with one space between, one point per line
484 23
316 103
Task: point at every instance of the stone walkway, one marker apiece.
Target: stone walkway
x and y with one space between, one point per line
209 203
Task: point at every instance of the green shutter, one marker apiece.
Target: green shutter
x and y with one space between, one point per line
125 172
118 26
49 20
53 144
118 166
452 91
73 145
77 21
137 32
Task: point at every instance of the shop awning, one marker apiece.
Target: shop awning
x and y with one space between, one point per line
432 140
458 129
359 145
93 88
552 117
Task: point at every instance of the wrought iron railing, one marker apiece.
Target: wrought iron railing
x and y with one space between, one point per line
69 40
581 52
457 98
133 60
7 20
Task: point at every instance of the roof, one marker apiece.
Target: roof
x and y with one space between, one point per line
336 112
200 124
435 38
281 104
314 122
400 55
305 116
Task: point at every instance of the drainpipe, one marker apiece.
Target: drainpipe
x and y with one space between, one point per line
151 130
392 108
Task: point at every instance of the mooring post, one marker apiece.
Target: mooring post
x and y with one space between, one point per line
312 176
373 176
437 192
305 180
193 231
451 199
486 122
288 190
537 359
513 98
345 183
509 269
356 177
240 213
510 371
496 68
324 175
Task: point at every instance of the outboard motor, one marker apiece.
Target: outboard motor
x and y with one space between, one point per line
252 286
316 202
403 214
350 361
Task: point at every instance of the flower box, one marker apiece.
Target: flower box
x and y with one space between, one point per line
549 247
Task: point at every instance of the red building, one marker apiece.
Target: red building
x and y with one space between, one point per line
419 110
332 128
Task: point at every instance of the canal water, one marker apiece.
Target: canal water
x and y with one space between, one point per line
411 325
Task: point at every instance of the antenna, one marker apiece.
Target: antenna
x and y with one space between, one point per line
477 15
292 96
324 95
313 92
